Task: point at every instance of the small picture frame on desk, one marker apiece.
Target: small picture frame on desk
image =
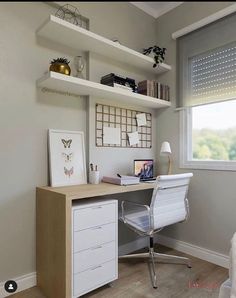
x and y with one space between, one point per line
67 162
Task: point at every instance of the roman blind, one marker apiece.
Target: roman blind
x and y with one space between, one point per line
207 64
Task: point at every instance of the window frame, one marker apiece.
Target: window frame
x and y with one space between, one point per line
185 161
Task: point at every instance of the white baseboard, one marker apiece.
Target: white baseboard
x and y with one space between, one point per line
23 282
133 246
193 250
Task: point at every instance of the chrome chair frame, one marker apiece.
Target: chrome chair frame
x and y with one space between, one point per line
151 255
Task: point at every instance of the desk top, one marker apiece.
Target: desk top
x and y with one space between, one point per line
94 190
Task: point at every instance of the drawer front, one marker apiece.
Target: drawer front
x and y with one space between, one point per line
92 216
94 256
94 236
95 277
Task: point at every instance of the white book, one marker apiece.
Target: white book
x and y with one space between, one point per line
123 180
122 87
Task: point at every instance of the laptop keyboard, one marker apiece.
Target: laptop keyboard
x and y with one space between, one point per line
148 180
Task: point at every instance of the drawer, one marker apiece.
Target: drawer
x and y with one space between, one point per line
94 256
94 236
95 277
98 214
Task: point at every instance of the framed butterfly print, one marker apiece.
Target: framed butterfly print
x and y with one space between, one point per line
67 162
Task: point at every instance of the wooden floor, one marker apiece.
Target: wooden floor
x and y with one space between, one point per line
176 281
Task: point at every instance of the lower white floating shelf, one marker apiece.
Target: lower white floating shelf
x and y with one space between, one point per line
64 83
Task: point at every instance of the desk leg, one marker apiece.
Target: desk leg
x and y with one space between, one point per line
53 244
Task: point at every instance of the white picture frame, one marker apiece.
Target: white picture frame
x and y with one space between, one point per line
67 163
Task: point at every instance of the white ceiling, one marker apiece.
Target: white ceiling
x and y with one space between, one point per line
156 9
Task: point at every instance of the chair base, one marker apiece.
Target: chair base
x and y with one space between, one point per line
152 257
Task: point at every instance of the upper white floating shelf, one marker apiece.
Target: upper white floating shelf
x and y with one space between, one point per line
64 83
65 33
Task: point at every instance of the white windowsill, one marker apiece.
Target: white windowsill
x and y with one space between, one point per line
209 165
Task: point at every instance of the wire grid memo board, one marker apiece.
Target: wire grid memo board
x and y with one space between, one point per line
125 119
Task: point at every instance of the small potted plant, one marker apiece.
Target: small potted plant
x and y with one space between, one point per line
158 54
60 65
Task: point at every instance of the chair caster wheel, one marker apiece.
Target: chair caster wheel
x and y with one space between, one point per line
154 287
189 266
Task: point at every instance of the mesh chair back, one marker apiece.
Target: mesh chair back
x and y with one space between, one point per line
168 205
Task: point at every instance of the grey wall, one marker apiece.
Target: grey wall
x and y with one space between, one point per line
212 193
27 113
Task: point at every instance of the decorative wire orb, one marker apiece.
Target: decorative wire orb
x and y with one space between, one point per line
70 14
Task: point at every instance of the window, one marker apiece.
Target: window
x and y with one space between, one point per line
207 96
210 136
214 131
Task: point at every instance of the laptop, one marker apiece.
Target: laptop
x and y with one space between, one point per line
143 168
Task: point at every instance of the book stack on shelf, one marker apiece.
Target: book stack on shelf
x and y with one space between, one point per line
154 89
119 82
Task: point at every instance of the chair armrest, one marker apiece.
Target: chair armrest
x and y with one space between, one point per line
187 209
126 204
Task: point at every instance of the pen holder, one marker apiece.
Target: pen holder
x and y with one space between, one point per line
94 177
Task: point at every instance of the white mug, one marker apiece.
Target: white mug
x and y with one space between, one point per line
94 177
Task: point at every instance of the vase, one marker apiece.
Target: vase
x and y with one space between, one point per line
79 66
61 68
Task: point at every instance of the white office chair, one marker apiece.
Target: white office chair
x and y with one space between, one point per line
169 205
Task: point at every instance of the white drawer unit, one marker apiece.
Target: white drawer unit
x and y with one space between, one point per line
94 236
94 256
93 216
95 245
95 277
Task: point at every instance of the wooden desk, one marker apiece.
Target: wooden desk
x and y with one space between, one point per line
53 225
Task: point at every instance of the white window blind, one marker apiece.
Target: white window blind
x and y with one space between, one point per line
207 64
213 75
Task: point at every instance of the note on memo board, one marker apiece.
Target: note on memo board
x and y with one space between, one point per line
141 119
133 138
111 135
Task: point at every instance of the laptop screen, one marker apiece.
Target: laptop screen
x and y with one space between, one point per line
143 168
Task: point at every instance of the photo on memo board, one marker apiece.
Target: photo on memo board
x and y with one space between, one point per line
67 162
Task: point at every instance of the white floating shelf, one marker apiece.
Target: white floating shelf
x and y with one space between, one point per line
65 33
64 83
